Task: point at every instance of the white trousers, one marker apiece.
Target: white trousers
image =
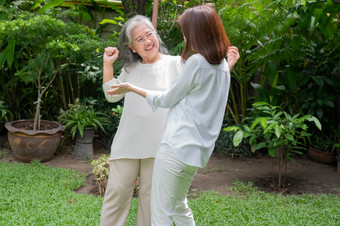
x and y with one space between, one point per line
170 185
120 188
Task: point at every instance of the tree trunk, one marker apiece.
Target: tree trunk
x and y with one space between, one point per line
133 7
155 13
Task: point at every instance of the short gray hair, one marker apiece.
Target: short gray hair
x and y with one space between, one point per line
126 56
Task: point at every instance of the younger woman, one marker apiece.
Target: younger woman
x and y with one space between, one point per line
197 100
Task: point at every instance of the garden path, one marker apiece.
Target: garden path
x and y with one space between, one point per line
303 176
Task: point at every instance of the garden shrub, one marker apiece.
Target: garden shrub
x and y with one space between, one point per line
101 169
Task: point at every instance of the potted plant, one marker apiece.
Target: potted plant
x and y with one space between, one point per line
35 49
322 150
323 147
81 121
276 130
34 63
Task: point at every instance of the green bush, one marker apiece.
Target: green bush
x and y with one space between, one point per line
41 51
275 130
101 170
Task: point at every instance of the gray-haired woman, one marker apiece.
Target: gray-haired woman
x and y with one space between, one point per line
147 65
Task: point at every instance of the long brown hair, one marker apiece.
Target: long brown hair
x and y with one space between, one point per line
204 33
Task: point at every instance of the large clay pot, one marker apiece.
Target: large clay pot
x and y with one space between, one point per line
27 144
322 156
84 147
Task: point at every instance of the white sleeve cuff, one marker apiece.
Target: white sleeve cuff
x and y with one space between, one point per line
150 98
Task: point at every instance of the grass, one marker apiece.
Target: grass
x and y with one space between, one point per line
34 194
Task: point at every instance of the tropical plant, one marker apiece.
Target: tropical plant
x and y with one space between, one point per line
36 49
257 29
5 113
81 12
276 130
79 116
289 53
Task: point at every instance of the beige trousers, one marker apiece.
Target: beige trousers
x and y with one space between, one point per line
120 188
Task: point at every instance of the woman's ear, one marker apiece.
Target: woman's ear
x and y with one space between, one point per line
132 49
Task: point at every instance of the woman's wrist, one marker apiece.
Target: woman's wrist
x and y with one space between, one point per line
108 63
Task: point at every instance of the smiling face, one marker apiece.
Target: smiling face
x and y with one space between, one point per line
145 43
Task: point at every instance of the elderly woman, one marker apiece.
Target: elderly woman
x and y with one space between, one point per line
147 65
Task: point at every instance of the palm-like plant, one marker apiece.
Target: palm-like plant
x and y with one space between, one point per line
80 116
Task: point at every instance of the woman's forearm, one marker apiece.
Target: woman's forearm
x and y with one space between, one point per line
125 88
107 72
137 90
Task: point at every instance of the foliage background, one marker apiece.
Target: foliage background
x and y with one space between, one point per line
289 57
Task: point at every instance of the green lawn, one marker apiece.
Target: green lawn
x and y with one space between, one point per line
34 194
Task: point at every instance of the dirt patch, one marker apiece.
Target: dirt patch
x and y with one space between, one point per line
303 176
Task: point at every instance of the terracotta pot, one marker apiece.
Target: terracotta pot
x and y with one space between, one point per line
322 156
84 146
27 144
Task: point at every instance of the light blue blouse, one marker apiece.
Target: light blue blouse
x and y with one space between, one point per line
197 99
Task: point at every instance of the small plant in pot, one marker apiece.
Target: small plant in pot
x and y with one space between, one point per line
324 146
81 120
36 49
322 150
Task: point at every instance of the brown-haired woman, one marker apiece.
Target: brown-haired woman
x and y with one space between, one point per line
197 100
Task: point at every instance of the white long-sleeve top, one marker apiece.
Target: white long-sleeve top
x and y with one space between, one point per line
140 129
197 99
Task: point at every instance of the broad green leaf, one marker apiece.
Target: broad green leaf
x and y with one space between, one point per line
277 131
317 122
50 5
289 137
104 21
281 87
87 16
329 103
255 123
269 128
251 140
36 4
231 128
259 103
246 128
260 145
3 56
10 54
238 138
271 152
263 122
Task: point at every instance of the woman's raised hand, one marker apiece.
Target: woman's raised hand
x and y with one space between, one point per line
110 55
233 57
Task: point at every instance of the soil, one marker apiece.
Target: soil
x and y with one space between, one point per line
303 176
